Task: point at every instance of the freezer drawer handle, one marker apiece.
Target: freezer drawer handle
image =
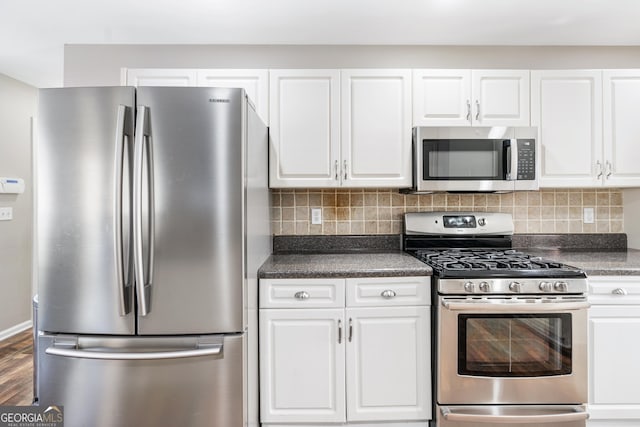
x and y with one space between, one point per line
572 414
153 355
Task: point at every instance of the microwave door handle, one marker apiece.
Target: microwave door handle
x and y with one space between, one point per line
475 416
512 149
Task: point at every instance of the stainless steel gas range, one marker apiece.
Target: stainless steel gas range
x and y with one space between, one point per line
510 334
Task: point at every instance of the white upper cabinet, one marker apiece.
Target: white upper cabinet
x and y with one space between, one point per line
500 97
621 93
471 97
254 82
160 77
441 97
305 128
312 147
566 106
376 128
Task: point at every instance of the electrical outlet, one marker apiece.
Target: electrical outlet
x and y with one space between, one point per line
316 216
6 214
588 216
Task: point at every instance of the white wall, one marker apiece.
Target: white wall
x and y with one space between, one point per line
631 198
17 107
99 65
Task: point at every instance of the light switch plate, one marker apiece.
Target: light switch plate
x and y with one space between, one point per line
588 216
6 214
316 216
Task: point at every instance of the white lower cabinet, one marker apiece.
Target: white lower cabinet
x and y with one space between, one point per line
366 361
387 360
614 351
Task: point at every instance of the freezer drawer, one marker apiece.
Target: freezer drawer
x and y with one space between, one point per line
512 416
144 382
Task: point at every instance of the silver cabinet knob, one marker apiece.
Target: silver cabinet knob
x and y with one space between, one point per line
545 286
388 294
469 287
482 222
484 287
515 287
560 286
619 291
302 295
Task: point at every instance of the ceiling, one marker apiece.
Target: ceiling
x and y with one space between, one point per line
33 32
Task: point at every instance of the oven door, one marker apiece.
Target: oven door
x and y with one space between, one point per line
525 350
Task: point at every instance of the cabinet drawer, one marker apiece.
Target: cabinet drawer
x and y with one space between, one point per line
388 291
301 293
614 290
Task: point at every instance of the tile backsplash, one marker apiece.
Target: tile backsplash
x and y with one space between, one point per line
380 211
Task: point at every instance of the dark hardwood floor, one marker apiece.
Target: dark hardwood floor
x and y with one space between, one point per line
16 369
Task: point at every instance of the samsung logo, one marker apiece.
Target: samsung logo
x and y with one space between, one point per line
222 100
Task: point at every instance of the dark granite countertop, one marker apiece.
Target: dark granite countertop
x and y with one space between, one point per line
595 262
387 264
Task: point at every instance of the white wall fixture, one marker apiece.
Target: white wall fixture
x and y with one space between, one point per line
12 185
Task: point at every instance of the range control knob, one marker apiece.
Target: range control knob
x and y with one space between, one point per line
469 287
546 286
561 287
482 222
515 287
484 287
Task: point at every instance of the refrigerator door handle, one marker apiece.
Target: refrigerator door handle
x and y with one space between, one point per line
141 136
123 304
150 355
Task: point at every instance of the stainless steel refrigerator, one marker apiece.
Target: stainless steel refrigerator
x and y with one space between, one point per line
152 218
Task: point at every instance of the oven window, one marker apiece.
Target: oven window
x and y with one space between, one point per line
463 159
517 345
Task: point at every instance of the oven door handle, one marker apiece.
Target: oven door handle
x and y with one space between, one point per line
502 307
484 415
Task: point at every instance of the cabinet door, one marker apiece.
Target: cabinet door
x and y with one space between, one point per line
305 128
302 366
614 371
388 364
376 128
160 77
621 127
500 97
441 97
254 82
567 108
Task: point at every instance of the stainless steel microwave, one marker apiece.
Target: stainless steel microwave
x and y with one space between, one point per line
475 159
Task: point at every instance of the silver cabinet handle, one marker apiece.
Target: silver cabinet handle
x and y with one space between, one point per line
339 331
336 167
302 295
350 329
619 291
388 294
598 169
477 110
468 110
609 169
345 170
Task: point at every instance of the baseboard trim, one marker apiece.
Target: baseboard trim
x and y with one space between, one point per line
7 333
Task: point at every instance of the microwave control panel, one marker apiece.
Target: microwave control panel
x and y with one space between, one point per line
526 159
